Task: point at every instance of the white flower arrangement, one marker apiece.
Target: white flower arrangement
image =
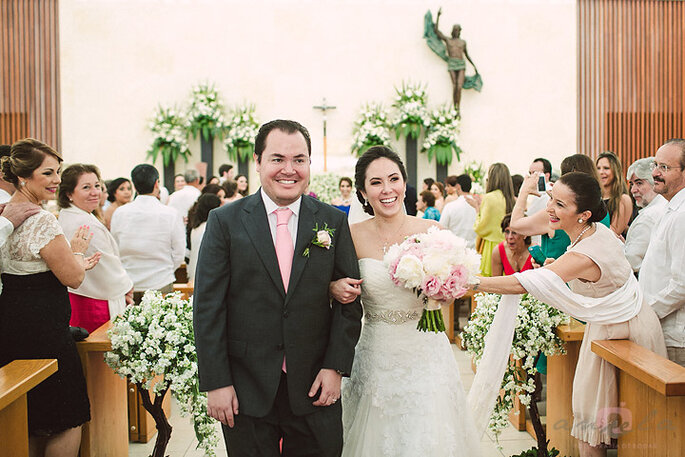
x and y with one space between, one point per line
534 334
156 339
206 113
477 173
170 136
240 134
442 135
325 186
412 114
371 129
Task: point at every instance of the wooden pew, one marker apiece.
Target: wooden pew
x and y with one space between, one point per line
16 379
651 400
186 289
107 432
561 370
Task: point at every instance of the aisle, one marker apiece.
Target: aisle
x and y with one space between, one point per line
183 440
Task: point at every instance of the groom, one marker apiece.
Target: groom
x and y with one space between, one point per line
272 347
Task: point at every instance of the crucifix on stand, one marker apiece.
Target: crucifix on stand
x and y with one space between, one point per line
324 107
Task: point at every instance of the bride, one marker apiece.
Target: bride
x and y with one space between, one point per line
404 396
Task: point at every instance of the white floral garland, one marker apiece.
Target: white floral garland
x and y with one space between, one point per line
534 333
372 128
325 186
171 139
206 113
412 114
442 135
156 338
240 135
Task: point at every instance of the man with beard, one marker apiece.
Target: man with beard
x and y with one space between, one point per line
662 275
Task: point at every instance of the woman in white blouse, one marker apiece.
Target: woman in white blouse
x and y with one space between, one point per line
106 289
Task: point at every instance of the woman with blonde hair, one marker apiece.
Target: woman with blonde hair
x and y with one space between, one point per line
492 207
614 191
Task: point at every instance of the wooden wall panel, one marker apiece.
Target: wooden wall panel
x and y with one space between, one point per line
631 83
29 68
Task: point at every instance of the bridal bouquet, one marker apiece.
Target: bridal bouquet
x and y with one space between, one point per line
436 265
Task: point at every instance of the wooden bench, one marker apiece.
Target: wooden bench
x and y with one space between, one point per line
16 379
561 369
107 431
651 400
186 289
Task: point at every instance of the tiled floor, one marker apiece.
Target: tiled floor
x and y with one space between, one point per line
183 442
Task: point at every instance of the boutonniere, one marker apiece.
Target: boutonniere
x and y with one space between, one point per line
323 238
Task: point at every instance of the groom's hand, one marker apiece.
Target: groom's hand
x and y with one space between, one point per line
222 405
329 382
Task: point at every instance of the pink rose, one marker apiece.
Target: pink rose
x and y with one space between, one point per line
431 287
324 238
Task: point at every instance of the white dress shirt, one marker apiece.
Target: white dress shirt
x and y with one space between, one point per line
4 196
271 208
108 280
183 199
662 275
151 240
639 232
458 217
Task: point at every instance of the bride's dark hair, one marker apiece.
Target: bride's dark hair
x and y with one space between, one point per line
371 154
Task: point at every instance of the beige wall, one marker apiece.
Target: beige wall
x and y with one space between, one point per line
120 58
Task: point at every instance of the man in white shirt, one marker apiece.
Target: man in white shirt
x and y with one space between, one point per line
225 173
662 275
183 199
653 206
150 236
458 216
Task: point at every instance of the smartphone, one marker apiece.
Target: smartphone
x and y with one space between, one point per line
541 184
537 254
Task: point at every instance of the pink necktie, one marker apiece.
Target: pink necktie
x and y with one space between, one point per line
284 250
284 245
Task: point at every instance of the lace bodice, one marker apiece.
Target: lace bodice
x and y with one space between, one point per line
20 255
384 301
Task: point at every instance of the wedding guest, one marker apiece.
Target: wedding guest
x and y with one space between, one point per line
100 211
225 173
6 188
652 206
536 200
438 191
516 181
614 191
106 289
196 224
410 200
183 199
451 189
37 264
150 236
213 189
601 290
511 255
662 275
119 193
243 185
426 205
179 182
458 216
213 180
427 183
344 200
231 189
491 208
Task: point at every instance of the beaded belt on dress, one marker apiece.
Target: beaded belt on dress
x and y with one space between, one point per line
392 316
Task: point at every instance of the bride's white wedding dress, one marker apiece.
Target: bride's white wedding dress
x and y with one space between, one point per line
404 396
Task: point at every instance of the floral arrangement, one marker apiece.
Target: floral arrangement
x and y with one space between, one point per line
156 339
206 112
371 129
436 265
325 186
171 139
442 135
412 115
240 133
534 334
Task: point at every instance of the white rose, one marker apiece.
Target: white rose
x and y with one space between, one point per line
410 270
323 237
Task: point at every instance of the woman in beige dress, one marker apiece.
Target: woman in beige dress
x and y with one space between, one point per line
603 292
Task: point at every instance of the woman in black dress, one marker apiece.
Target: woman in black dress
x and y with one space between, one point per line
37 264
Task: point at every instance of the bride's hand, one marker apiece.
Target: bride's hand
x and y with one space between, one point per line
345 290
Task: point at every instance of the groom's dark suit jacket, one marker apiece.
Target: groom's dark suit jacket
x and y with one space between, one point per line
245 322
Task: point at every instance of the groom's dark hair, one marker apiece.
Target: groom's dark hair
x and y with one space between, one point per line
283 125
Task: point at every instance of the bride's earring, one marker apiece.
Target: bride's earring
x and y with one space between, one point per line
580 221
366 201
